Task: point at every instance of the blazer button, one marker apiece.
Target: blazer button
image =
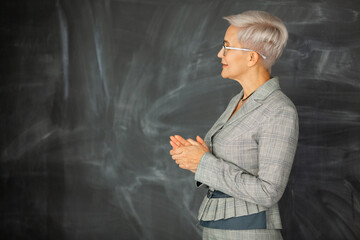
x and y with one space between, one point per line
209 193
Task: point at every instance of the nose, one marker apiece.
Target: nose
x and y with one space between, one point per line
221 53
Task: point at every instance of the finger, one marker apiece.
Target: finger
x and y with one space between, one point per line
174 140
199 139
193 142
183 166
179 144
182 140
173 154
202 142
173 144
177 151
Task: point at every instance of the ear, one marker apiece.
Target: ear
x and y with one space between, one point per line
253 58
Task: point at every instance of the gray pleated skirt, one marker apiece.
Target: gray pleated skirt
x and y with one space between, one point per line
251 234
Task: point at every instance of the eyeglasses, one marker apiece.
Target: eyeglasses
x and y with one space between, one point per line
241 49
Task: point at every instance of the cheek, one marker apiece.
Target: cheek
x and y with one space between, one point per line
236 62
235 67
232 63
231 59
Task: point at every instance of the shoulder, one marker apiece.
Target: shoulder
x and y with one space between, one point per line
280 117
277 103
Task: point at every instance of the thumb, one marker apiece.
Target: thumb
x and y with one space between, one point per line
192 142
199 139
202 142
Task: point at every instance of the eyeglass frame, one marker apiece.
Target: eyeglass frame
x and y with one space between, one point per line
241 49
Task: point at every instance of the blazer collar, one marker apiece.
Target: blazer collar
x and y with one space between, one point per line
254 102
266 89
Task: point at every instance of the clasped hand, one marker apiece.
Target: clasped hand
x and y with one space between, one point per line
187 153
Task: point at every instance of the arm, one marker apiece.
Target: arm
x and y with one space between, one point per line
278 137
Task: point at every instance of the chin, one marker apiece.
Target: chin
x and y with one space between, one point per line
224 75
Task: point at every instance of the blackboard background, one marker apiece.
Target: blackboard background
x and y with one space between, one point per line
91 90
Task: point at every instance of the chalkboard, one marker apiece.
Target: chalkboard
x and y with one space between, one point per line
91 91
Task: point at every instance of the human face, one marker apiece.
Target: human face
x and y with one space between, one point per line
234 62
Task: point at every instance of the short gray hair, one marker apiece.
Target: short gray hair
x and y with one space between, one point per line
261 32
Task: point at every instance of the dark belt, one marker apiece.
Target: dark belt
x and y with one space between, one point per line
217 194
251 221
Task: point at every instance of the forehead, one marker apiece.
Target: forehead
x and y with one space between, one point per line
231 35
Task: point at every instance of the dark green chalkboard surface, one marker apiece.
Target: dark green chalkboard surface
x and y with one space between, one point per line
91 90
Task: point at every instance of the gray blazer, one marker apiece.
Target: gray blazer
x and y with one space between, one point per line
251 156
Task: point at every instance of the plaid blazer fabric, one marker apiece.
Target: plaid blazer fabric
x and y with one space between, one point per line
251 155
251 234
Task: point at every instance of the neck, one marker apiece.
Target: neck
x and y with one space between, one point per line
253 79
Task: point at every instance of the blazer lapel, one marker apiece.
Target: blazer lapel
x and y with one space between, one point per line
250 105
223 118
256 100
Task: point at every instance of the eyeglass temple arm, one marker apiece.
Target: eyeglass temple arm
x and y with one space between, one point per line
245 49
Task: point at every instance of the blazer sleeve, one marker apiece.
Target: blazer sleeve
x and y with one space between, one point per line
277 142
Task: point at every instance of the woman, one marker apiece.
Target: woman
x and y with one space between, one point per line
246 157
